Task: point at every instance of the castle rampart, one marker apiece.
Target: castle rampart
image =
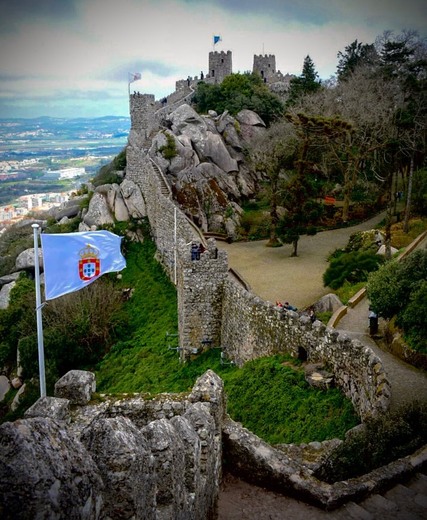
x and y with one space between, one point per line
214 310
253 328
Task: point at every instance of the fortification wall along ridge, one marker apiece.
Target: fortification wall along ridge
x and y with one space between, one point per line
216 310
253 328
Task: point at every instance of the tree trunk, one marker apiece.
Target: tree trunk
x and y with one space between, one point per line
274 241
295 244
409 196
388 220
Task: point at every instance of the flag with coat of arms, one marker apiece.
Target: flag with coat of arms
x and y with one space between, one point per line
72 261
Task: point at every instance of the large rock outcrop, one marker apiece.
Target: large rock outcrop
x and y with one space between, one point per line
206 165
113 202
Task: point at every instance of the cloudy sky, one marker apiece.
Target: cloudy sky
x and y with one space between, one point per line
71 58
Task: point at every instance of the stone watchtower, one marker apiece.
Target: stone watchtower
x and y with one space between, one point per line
143 121
220 65
265 66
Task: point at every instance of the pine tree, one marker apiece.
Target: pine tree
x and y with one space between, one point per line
306 83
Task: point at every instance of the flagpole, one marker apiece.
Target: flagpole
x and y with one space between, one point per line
175 244
39 313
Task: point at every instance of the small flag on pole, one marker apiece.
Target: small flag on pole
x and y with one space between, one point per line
134 76
217 39
74 260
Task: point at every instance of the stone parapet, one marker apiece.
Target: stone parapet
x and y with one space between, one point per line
253 328
118 457
255 461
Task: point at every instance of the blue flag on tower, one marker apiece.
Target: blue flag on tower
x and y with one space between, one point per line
74 260
217 39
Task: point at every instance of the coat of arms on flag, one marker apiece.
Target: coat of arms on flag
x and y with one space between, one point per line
89 263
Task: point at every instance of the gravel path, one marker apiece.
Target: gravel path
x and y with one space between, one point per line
274 275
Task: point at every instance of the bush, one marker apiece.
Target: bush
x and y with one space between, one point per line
390 288
351 267
413 319
381 441
255 225
169 149
108 174
13 241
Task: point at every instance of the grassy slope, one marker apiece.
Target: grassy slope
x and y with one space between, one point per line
269 395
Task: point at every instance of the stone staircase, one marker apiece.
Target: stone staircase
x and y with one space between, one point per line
402 502
164 187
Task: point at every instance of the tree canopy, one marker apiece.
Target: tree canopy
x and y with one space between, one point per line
306 83
236 92
400 289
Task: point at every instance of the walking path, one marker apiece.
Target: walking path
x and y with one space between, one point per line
274 275
407 383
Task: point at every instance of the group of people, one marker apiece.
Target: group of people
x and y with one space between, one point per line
196 250
288 307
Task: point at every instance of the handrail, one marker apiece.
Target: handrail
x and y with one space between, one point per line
162 177
239 278
192 224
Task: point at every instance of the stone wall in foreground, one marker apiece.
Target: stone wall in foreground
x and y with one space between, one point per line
117 457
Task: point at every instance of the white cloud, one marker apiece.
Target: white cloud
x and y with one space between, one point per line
171 39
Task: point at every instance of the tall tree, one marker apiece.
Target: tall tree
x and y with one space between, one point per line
366 102
273 157
306 83
404 59
355 55
303 211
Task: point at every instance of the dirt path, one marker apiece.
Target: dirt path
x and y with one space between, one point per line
274 275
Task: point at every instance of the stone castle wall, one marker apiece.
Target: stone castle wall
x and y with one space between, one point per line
199 282
252 328
215 310
115 457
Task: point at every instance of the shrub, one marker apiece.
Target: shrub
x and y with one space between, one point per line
390 288
413 319
13 241
107 174
351 267
169 149
381 440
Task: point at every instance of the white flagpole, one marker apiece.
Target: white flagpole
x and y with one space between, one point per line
174 239
39 313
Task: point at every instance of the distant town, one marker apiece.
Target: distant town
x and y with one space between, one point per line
43 160
36 202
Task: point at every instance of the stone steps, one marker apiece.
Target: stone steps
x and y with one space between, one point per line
402 502
164 189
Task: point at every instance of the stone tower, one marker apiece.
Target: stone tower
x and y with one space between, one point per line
265 66
220 65
142 108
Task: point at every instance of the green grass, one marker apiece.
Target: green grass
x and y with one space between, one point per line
269 396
